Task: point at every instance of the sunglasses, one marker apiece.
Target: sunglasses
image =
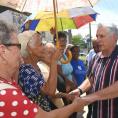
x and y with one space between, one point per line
17 45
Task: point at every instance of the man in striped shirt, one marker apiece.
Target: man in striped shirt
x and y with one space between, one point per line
104 73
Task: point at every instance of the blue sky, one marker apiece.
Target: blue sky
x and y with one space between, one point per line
108 11
108 14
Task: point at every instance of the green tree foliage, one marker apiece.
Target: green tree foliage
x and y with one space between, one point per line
78 40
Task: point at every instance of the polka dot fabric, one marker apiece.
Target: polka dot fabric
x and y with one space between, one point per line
14 104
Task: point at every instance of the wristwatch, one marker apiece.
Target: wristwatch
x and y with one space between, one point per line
80 91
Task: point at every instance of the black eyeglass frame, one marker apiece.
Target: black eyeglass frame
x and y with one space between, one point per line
14 44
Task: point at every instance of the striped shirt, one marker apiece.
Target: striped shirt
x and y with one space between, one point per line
104 73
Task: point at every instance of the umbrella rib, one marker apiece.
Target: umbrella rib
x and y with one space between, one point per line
23 5
61 24
90 3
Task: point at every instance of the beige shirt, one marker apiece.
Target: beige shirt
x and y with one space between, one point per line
45 71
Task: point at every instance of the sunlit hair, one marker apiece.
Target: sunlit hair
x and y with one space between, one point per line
24 38
5 31
50 45
111 29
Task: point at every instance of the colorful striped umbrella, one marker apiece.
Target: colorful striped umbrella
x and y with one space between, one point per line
67 19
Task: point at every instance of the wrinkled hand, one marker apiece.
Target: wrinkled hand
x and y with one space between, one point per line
50 56
72 95
80 103
75 93
57 54
44 56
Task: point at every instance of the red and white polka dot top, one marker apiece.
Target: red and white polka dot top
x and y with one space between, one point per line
14 103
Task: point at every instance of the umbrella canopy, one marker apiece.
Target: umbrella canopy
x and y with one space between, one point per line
47 5
31 6
27 6
68 19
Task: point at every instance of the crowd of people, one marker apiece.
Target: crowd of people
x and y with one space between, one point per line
27 91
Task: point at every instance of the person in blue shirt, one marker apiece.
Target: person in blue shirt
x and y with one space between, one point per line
79 69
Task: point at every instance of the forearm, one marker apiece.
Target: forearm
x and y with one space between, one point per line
86 85
64 112
61 74
106 93
51 84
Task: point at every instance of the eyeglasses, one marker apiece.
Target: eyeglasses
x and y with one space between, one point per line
18 45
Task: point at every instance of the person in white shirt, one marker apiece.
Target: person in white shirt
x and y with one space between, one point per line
92 52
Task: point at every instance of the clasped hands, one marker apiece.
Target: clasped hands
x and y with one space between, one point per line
80 102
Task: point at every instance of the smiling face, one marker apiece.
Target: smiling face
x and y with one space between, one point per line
37 40
35 46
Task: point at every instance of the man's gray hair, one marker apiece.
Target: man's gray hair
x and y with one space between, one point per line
112 29
5 31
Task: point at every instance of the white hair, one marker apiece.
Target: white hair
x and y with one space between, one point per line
24 38
111 29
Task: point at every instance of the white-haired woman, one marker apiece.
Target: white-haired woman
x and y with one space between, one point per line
30 77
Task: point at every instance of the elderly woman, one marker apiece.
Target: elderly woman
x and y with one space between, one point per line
13 102
30 76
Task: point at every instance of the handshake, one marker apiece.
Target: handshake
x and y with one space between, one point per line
74 96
